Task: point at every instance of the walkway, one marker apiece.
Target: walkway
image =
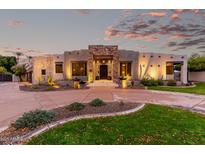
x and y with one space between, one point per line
14 102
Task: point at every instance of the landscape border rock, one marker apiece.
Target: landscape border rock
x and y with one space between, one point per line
88 116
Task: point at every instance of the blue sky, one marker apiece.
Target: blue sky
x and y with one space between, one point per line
55 31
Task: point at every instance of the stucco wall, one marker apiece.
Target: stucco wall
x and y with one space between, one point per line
78 55
154 65
47 63
196 76
127 55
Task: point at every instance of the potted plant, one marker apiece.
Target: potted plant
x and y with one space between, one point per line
76 83
123 81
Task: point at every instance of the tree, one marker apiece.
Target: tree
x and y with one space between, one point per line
19 70
7 62
2 69
196 64
18 54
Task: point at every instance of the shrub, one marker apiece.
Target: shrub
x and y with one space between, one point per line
75 106
35 86
97 102
49 88
2 69
33 119
160 82
149 82
171 83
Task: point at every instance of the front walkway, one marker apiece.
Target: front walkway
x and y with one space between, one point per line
14 102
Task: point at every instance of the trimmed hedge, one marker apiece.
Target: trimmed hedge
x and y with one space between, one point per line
75 106
97 102
33 119
152 82
171 83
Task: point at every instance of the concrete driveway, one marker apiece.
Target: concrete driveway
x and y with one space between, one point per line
14 102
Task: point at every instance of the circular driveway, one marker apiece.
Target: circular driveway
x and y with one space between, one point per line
14 102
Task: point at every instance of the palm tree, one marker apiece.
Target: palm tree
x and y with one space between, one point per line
18 54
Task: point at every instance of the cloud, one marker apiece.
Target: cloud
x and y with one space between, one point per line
152 22
171 44
24 52
179 48
175 16
139 25
127 12
196 11
111 32
83 12
15 23
192 42
154 14
179 36
201 47
142 46
180 31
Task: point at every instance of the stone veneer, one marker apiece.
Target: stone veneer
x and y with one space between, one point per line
103 50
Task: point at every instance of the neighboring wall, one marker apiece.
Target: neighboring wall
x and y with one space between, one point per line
196 76
47 63
154 65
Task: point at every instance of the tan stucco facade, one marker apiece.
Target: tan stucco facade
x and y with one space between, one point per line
142 64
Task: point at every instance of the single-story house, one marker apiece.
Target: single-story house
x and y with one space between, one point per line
107 62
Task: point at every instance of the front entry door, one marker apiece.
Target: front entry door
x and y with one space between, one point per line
103 72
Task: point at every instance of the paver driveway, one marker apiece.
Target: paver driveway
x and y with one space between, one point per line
14 102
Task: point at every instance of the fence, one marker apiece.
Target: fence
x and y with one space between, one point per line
5 77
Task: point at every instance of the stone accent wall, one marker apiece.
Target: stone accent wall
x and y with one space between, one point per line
103 50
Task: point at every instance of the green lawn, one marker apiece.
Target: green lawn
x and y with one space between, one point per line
152 125
199 89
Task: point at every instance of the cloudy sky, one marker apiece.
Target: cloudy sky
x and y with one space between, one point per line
34 32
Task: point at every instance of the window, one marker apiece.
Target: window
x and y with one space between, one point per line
169 68
79 68
43 72
125 68
59 67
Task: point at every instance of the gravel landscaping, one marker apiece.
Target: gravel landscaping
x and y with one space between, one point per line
153 124
15 136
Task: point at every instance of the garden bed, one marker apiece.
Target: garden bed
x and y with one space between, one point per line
40 88
153 125
16 136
